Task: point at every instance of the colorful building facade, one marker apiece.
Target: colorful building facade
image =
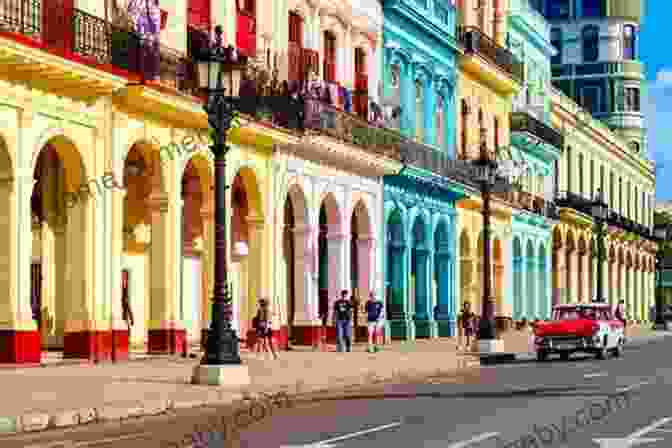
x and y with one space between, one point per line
597 159
486 88
420 218
535 142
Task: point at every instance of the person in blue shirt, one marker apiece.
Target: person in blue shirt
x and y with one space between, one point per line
374 312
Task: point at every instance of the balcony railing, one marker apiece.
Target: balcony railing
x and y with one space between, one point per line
93 40
524 122
567 199
530 202
21 16
474 41
618 220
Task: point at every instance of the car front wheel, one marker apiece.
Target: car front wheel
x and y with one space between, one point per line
542 355
618 350
602 352
564 356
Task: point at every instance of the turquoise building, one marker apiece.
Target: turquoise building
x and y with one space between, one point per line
419 84
535 141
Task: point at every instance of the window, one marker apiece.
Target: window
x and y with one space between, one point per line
569 168
593 8
464 113
632 103
590 99
629 42
580 189
558 9
296 29
496 131
440 132
612 190
556 41
590 38
419 110
591 187
634 146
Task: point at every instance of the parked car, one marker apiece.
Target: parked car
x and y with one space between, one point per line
584 327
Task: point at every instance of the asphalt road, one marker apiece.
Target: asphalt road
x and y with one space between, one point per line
566 404
569 404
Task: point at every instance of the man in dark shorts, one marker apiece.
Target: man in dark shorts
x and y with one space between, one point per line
343 322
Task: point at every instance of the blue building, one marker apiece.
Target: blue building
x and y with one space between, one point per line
419 84
534 140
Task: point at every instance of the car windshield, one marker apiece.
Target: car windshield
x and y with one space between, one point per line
575 313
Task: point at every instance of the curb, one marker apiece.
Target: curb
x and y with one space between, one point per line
300 392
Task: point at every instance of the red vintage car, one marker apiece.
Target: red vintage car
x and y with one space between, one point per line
583 327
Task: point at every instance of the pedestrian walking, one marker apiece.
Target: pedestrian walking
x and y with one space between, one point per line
126 311
468 319
374 312
619 314
343 322
264 331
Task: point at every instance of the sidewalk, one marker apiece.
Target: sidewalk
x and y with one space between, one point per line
67 394
64 394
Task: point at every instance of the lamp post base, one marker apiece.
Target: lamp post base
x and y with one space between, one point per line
221 375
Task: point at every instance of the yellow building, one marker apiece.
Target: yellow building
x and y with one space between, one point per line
105 157
595 159
488 78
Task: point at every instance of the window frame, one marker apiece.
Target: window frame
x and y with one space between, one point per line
632 40
598 98
559 47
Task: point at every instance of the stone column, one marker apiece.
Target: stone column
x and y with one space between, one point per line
407 92
207 258
79 339
571 292
621 284
161 337
307 328
611 282
443 297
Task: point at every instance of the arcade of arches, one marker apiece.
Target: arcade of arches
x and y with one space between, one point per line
628 270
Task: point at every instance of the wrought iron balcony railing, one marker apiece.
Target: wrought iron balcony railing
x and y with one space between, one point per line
620 221
93 40
524 122
530 202
567 199
475 41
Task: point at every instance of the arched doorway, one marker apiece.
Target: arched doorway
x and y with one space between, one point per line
558 267
569 295
530 281
395 286
497 290
330 242
443 276
246 239
543 310
420 279
197 213
61 264
582 270
360 261
518 298
299 327
145 222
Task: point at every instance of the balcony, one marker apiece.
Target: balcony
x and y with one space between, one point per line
40 43
525 123
476 43
567 199
529 202
617 220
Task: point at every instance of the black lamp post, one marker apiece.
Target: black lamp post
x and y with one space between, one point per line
599 210
487 178
217 66
663 234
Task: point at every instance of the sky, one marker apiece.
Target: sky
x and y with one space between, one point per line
658 102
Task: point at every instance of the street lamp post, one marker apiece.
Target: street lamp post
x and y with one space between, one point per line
487 333
221 363
599 210
663 234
